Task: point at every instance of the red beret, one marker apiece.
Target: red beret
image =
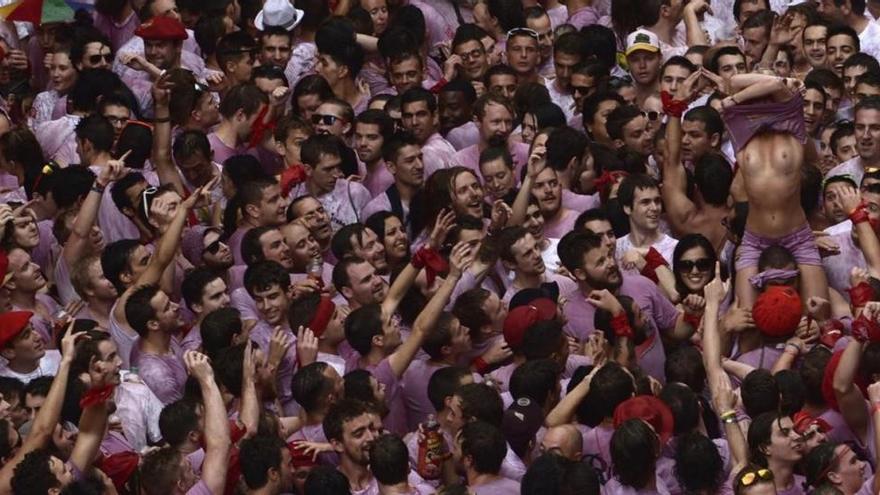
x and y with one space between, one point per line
162 28
521 318
650 409
11 324
777 311
119 467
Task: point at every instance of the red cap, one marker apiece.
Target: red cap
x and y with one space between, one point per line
777 311
162 28
520 318
650 409
13 323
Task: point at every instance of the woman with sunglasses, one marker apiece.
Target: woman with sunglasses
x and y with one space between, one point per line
693 263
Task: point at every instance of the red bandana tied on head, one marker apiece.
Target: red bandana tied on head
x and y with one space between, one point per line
803 422
322 316
777 311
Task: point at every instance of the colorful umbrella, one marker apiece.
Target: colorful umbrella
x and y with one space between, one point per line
37 11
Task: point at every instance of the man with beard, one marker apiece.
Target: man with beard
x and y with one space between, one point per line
371 129
547 190
349 428
493 115
266 465
404 158
640 197
240 108
359 241
586 257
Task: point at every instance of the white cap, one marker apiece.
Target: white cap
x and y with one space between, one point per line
642 39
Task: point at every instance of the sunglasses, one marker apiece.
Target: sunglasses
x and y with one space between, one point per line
324 119
521 30
702 265
652 116
96 59
582 89
212 248
751 477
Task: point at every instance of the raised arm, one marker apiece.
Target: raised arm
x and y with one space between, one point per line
714 292
874 396
249 409
47 418
693 10
537 162
403 356
849 397
216 424
851 201
78 241
161 155
746 87
167 246
725 400
678 205
92 425
565 410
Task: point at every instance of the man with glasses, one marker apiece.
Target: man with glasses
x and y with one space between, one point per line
523 54
468 45
116 110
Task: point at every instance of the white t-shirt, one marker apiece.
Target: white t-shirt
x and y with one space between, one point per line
665 246
48 367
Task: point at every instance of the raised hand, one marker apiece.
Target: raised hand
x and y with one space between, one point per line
248 366
850 199
738 319
198 366
306 346
604 299
694 304
716 290
501 214
537 161
279 343
690 87
113 170
819 308
498 352
460 259
162 90
68 342
596 348
444 223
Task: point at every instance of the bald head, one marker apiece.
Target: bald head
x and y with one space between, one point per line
565 440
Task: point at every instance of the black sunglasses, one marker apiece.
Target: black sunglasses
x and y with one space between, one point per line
213 247
702 265
96 59
324 119
582 89
652 116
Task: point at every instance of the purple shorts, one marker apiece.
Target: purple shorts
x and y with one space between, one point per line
801 243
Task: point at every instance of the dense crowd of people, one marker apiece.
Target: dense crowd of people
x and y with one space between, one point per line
488 247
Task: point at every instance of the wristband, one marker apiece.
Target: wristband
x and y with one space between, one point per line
797 350
672 107
859 215
692 319
162 120
620 326
861 294
96 396
98 188
874 408
653 261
